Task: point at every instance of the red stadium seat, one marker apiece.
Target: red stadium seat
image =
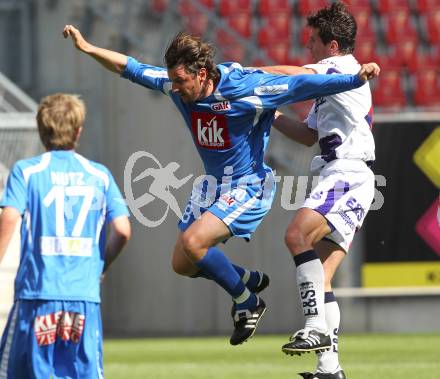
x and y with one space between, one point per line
432 23
159 6
306 7
426 6
241 23
282 22
386 7
398 24
196 23
208 3
268 35
388 91
304 34
364 24
231 7
278 52
358 3
405 54
225 38
269 7
187 7
360 6
427 88
233 53
365 51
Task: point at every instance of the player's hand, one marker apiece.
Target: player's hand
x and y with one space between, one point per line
77 38
277 114
369 71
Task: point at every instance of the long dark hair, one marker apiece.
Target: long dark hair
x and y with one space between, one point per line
192 53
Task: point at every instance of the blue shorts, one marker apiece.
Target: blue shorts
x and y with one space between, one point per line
240 204
52 339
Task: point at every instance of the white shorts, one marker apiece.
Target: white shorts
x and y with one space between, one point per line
344 194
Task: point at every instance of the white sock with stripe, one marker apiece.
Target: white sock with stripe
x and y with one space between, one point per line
328 361
310 281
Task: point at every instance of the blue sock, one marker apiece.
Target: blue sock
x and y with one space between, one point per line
219 268
251 279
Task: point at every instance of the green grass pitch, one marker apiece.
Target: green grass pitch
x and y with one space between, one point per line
371 356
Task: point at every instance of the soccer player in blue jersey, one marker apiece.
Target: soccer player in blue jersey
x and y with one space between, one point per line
228 110
64 201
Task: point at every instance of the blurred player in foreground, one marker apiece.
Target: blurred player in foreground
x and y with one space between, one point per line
64 201
229 111
321 232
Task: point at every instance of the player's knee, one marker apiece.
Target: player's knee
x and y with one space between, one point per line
294 239
192 244
178 268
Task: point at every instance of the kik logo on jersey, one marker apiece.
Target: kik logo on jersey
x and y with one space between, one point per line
210 130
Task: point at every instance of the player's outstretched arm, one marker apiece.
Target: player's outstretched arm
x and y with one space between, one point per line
295 130
369 71
120 233
287 70
111 60
8 221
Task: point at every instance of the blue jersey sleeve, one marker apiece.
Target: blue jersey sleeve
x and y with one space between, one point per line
146 75
276 90
15 194
115 202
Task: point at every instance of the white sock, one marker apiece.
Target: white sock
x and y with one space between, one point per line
310 281
328 361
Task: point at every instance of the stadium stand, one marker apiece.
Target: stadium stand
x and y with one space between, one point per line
427 88
403 36
388 90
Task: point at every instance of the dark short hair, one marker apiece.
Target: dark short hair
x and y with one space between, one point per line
335 22
191 52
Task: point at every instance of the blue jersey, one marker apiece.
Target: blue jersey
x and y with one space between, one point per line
65 201
231 127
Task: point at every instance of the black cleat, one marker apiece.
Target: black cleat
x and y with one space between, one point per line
262 285
307 340
321 375
246 322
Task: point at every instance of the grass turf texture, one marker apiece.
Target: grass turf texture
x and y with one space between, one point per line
372 356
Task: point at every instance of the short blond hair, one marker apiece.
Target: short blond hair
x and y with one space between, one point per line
59 118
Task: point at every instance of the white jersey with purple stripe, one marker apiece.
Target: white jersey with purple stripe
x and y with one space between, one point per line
65 200
231 127
344 120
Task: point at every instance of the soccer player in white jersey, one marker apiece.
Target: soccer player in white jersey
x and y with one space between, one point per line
64 201
320 234
229 111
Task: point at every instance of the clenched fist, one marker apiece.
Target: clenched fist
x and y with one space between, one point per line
369 71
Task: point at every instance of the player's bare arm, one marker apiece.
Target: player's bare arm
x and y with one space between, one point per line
8 221
111 60
287 70
295 130
120 233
